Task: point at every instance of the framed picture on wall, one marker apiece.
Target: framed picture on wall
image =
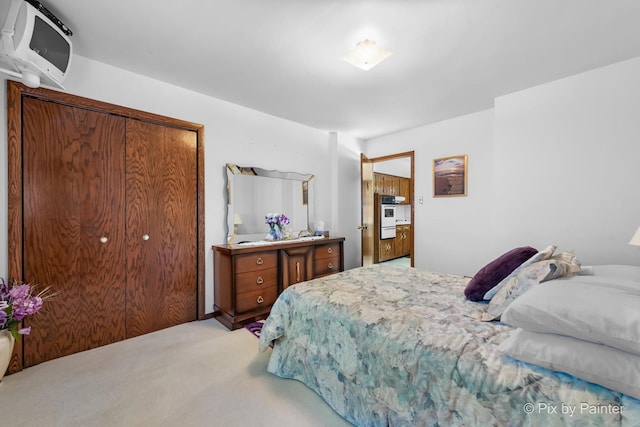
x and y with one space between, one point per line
450 176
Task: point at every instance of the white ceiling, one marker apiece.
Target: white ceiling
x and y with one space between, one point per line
282 57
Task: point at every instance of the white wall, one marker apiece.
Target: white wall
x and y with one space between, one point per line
232 134
555 163
567 156
447 230
348 199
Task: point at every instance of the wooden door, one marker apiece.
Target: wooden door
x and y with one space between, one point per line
410 155
366 213
66 192
162 226
73 213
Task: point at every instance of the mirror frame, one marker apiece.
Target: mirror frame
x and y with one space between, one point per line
308 197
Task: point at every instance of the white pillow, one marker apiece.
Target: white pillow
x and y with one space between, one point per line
625 276
631 272
596 363
605 312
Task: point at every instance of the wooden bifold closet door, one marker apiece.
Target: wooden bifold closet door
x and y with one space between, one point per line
110 216
161 227
73 169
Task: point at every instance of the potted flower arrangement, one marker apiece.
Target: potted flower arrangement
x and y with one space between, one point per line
276 223
17 300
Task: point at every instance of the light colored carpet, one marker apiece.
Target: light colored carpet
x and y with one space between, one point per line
196 374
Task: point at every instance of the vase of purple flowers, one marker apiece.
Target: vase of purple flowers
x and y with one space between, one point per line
276 223
17 301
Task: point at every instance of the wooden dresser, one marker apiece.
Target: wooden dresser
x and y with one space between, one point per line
248 279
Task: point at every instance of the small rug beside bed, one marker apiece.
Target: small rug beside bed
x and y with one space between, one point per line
255 328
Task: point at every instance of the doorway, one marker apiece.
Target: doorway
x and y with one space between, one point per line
386 175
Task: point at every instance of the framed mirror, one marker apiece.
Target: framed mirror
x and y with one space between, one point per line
253 192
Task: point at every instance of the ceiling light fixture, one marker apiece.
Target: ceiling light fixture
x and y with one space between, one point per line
366 55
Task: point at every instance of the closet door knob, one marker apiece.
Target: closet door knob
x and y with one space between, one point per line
145 237
104 239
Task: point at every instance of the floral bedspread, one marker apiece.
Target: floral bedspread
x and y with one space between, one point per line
393 345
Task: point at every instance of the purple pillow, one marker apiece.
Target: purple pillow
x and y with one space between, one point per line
493 273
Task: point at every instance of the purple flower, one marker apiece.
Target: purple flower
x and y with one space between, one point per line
16 302
271 218
3 315
19 292
283 220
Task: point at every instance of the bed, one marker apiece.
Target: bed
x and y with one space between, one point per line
399 346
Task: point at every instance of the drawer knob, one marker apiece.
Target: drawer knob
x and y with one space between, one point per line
260 300
330 250
260 280
330 266
259 261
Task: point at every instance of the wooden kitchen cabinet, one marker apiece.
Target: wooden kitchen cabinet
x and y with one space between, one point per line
404 190
389 185
402 244
392 185
248 279
386 249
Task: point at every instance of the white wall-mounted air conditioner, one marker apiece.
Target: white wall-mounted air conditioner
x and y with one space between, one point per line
34 44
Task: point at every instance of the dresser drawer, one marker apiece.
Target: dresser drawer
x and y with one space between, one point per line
330 250
326 265
256 261
256 280
254 300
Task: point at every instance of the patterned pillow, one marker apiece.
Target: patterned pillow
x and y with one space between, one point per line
562 265
540 256
491 274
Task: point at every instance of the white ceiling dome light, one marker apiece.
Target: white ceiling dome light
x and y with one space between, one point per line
366 55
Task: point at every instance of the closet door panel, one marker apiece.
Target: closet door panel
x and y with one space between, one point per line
73 192
161 222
